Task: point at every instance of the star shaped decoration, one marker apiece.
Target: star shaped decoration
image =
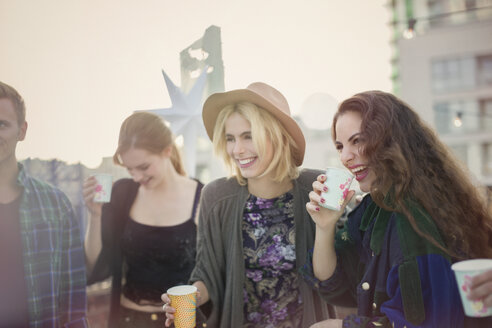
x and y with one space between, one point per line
185 116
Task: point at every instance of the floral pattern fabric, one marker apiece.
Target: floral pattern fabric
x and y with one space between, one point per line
271 291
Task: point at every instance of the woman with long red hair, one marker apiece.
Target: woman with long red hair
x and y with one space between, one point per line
392 260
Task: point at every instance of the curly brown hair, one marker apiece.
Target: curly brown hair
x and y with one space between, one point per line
408 158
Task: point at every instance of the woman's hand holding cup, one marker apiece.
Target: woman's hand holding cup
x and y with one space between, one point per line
89 191
324 218
171 311
168 309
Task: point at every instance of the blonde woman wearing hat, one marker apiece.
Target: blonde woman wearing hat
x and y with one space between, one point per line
254 231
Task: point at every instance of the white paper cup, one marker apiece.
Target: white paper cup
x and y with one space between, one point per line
103 187
183 299
464 271
338 182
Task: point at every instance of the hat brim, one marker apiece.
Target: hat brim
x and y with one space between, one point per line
216 102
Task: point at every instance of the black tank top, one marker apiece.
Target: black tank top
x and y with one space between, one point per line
157 258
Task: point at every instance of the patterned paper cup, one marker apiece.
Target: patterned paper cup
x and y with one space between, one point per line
183 299
464 271
338 182
103 187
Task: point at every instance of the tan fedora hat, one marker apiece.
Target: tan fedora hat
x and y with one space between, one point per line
263 96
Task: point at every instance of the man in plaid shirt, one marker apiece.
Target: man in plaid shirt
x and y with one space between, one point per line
42 275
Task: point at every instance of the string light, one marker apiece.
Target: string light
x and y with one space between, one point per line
458 122
409 33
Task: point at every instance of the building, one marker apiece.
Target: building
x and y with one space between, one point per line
442 67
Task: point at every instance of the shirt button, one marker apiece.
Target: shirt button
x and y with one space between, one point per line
366 286
153 317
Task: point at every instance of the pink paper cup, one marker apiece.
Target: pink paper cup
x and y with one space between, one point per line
338 182
464 272
103 187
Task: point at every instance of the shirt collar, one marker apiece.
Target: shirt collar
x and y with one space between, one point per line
22 177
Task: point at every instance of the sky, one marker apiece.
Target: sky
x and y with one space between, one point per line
83 66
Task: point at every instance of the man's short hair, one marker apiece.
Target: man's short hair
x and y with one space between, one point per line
7 92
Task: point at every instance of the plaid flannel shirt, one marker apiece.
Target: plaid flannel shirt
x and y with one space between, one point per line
54 260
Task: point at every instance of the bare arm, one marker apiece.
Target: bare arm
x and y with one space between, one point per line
324 256
330 323
93 240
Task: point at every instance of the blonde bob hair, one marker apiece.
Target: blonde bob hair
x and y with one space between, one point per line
264 126
147 131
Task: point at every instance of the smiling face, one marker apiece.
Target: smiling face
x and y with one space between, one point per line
146 168
242 150
10 131
348 144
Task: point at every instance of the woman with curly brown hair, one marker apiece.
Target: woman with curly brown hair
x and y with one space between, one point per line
422 213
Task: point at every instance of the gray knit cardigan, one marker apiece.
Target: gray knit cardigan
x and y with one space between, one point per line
220 258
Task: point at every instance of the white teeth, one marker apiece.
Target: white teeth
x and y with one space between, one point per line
359 168
246 161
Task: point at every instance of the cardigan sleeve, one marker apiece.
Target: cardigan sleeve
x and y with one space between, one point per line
210 259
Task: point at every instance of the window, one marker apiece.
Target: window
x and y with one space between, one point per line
486 114
447 12
487 159
446 115
484 70
453 74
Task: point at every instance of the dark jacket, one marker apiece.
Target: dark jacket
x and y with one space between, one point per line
393 276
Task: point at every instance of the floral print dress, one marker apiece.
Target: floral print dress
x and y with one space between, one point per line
271 290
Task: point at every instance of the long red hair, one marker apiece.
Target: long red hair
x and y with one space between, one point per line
408 158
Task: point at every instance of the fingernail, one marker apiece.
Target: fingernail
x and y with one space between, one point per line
317 209
322 200
325 188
